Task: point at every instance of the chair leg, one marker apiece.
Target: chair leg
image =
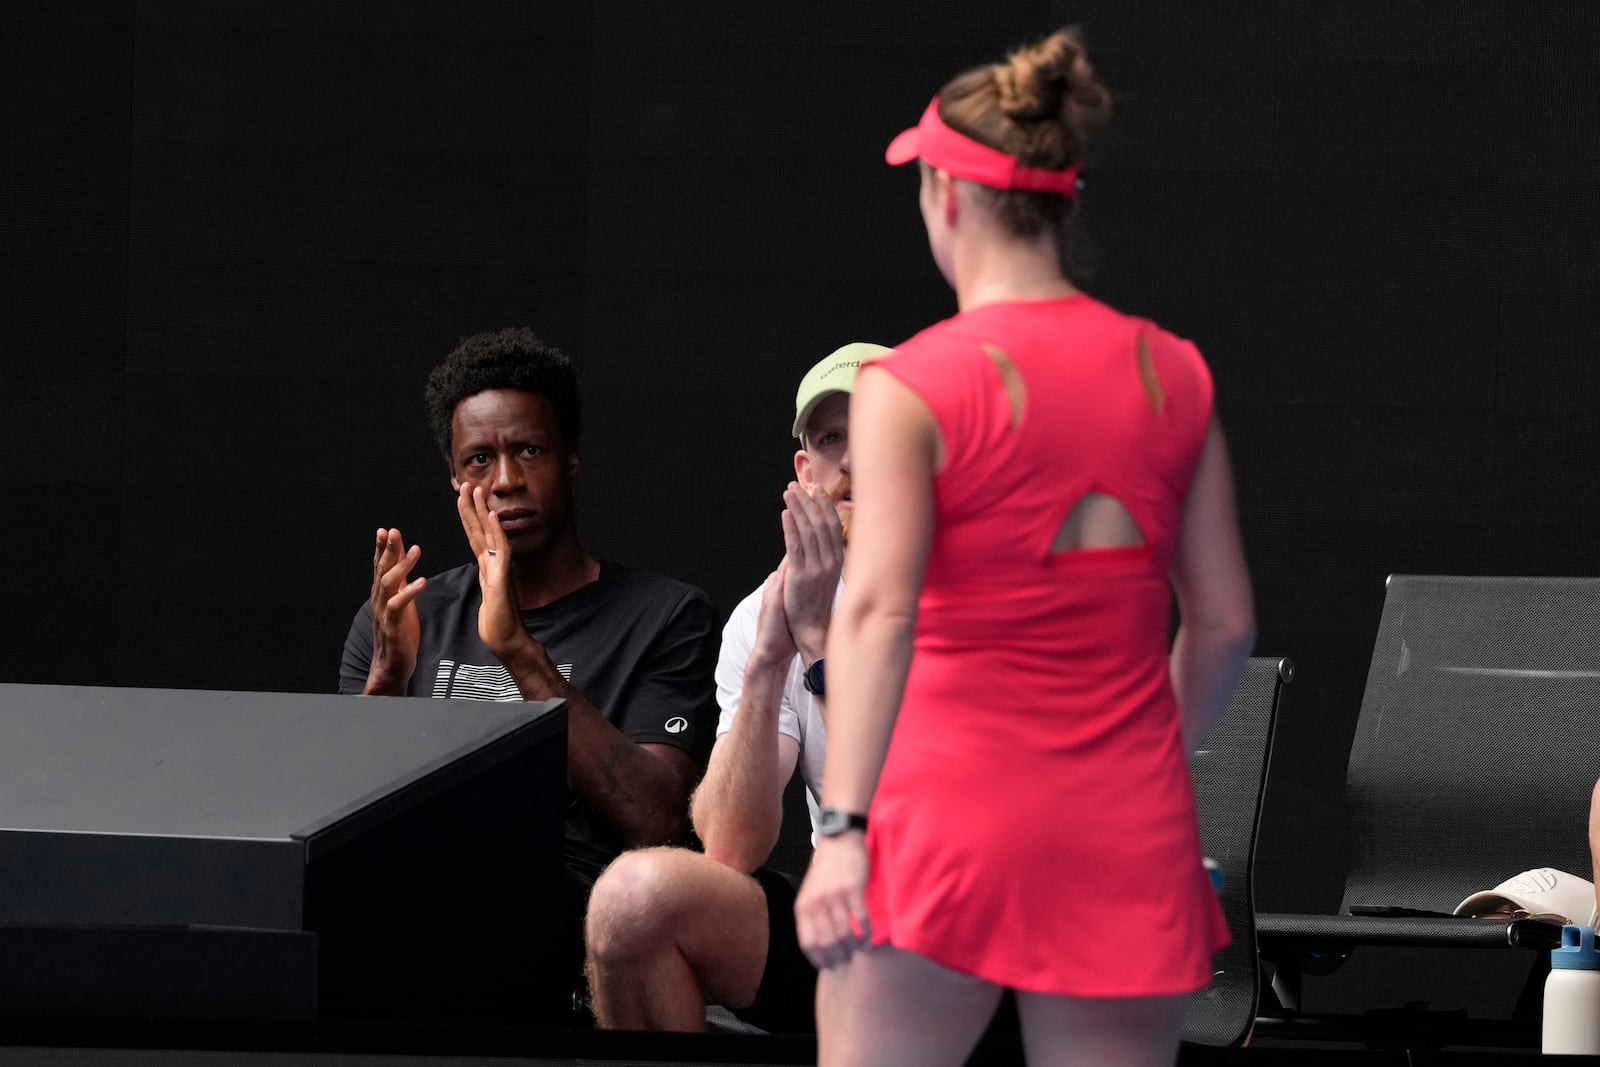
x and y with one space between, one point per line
1286 983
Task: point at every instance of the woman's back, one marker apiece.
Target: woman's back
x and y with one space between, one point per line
1038 688
1060 419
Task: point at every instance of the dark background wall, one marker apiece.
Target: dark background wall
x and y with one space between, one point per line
234 236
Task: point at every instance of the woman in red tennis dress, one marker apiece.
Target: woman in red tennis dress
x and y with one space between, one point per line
1033 480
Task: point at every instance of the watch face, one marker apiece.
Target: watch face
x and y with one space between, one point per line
813 678
831 821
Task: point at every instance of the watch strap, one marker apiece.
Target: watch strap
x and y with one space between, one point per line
832 821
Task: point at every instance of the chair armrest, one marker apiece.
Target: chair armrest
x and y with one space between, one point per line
1285 931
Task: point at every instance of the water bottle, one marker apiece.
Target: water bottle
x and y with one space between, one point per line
1572 995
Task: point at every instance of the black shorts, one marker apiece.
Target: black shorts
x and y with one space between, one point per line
786 998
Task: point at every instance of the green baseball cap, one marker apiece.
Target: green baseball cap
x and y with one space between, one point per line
835 374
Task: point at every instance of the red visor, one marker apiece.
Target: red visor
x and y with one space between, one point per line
939 146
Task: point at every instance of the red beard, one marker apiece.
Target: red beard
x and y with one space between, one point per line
836 494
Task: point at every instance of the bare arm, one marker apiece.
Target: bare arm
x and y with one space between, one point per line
738 809
894 444
640 790
896 452
1216 627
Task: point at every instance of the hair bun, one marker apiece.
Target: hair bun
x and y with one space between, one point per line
1052 79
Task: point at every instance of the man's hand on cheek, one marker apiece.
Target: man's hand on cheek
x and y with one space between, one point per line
499 619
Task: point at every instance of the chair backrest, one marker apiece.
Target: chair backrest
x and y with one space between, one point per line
1230 774
1472 758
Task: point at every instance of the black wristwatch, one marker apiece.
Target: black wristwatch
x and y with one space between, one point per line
812 678
831 822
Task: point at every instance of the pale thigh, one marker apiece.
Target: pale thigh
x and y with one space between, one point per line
1127 1031
888 1006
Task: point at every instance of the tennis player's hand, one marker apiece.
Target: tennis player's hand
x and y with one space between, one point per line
830 914
396 631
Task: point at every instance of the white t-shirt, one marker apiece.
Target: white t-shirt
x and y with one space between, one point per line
799 716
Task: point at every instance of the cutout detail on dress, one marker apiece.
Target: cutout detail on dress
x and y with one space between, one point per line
1154 391
1097 520
1016 391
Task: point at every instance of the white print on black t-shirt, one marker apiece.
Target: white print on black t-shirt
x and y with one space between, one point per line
472 681
677 724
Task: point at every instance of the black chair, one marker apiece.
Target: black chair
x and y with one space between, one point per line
1461 775
1230 775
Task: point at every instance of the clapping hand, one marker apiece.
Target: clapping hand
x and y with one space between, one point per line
396 631
499 619
813 542
774 643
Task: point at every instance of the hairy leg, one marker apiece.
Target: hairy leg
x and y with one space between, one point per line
1131 1031
888 1006
667 931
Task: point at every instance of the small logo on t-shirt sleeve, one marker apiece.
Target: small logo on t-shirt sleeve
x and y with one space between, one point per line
677 724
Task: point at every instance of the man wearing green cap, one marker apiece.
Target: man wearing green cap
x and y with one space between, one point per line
667 924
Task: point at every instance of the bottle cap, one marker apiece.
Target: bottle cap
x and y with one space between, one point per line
1577 951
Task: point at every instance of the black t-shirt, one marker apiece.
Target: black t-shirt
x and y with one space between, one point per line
641 648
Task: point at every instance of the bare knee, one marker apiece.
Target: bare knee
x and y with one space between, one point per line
660 909
635 907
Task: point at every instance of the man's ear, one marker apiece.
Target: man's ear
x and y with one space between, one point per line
574 461
455 483
802 469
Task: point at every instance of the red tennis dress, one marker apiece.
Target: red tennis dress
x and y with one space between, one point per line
1034 823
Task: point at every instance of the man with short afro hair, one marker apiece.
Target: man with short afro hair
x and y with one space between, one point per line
505 359
535 616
